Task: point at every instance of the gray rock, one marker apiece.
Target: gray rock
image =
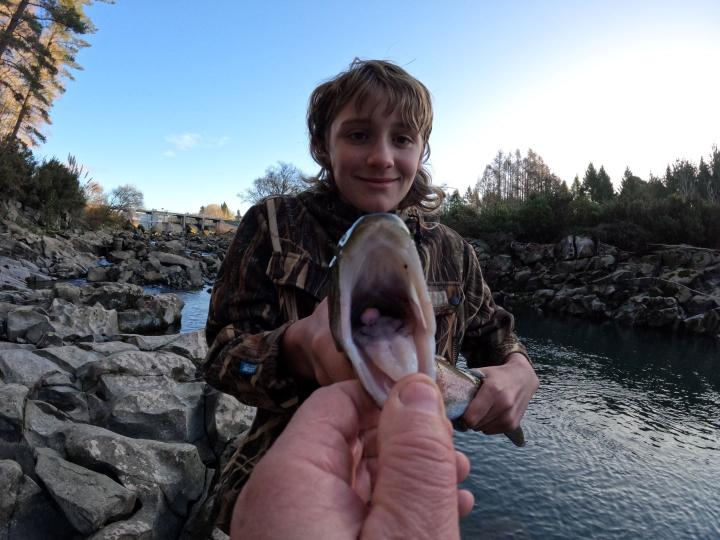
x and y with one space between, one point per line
170 259
70 320
44 425
69 357
23 319
175 468
66 399
97 274
117 296
88 499
107 348
12 411
227 417
154 407
138 363
11 476
27 368
35 516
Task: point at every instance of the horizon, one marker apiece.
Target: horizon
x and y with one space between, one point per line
191 122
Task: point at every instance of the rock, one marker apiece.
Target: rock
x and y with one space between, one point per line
22 319
98 274
11 476
44 425
190 345
175 468
69 357
153 407
108 348
70 320
170 259
117 296
35 515
138 363
227 418
88 499
12 412
27 368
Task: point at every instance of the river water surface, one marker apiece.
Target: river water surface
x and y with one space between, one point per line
623 437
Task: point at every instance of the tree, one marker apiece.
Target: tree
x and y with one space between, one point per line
217 211
632 187
125 199
281 179
576 189
38 44
604 189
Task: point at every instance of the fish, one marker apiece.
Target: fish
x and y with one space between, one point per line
382 318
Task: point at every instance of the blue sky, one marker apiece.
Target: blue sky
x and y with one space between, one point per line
191 101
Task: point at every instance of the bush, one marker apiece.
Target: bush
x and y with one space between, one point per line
102 216
56 192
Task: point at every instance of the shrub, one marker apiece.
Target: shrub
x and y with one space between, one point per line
56 192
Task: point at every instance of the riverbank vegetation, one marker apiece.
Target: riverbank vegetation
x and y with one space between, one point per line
519 195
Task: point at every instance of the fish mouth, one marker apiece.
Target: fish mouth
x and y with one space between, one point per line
386 323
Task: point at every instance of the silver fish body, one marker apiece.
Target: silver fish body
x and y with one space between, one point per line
381 315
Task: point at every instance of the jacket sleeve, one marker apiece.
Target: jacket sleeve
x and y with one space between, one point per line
490 330
245 327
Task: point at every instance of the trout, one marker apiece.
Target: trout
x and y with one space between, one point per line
381 315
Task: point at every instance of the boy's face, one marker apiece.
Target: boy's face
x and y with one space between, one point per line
374 156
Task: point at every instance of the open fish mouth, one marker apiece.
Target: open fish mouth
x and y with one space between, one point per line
380 310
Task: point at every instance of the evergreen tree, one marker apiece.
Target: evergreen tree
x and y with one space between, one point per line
604 190
38 44
590 180
577 190
632 187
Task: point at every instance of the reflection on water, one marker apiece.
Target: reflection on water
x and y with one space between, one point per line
623 437
194 313
623 440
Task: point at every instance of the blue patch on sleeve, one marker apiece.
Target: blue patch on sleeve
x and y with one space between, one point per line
246 368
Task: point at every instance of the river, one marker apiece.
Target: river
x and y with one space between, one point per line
623 437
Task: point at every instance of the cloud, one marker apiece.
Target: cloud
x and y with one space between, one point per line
182 142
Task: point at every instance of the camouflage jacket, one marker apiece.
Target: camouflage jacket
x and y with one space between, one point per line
276 271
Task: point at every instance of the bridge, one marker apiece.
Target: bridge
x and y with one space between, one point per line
167 221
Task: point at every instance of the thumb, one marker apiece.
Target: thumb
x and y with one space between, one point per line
415 494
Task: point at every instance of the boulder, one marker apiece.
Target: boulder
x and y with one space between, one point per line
139 464
22 319
70 320
12 413
25 367
88 499
138 363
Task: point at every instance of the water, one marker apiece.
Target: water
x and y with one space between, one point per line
623 437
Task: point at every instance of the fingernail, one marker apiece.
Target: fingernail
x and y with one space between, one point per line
420 396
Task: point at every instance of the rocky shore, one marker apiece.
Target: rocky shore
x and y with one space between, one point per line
671 288
105 430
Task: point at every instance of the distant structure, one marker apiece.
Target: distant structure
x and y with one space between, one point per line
166 221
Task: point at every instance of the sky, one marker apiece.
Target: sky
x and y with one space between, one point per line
191 101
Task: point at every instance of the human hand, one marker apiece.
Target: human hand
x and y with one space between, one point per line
503 397
343 469
311 352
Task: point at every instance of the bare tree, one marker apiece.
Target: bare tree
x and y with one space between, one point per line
125 199
281 179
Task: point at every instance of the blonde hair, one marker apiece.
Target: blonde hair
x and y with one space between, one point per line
365 78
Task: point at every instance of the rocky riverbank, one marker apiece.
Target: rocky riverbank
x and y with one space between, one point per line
672 288
105 431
